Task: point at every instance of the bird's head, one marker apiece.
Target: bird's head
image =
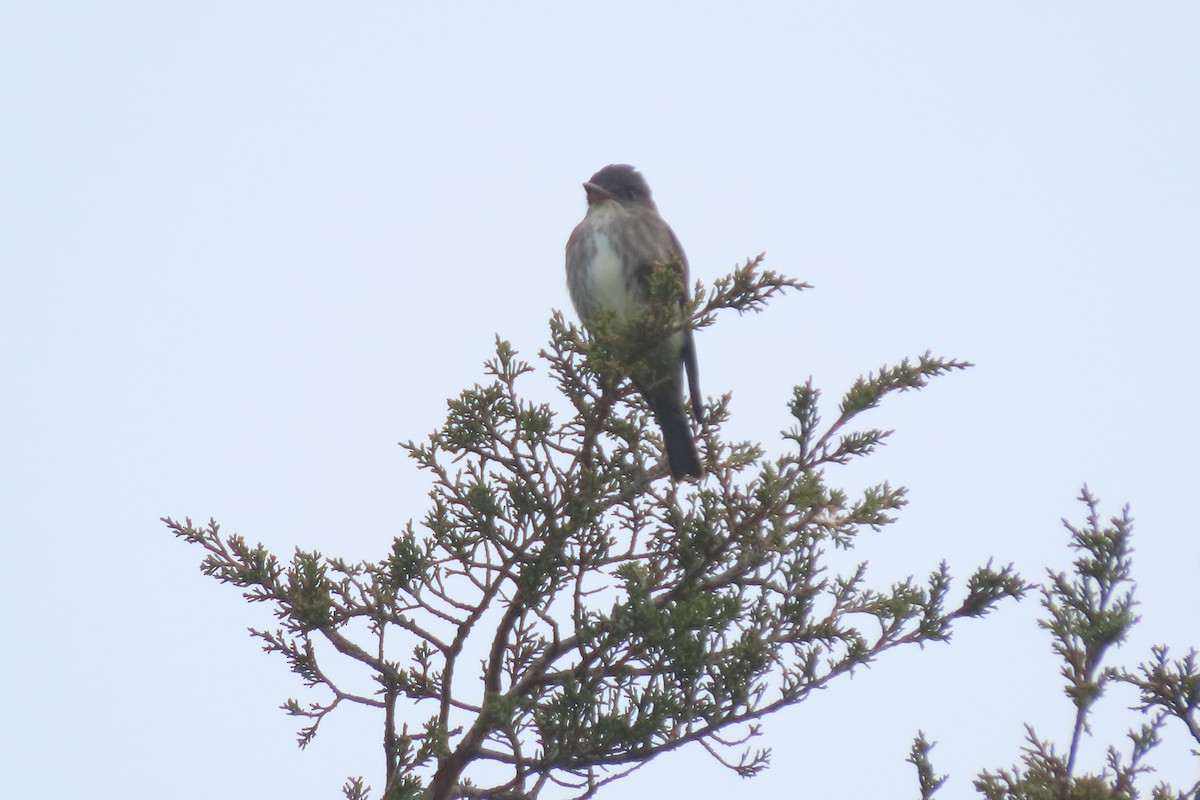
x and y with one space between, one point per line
619 182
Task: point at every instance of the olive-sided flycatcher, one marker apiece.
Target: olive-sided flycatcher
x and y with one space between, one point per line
609 258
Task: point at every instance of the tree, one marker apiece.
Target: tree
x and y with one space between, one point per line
564 613
1089 612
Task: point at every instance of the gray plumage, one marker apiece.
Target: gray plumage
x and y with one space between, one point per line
609 258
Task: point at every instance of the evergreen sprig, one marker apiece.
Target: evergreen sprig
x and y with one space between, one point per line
1088 611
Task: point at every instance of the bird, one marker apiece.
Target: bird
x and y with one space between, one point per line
610 255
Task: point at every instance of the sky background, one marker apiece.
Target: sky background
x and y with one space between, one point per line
247 247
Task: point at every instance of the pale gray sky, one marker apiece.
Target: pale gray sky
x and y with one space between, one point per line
246 247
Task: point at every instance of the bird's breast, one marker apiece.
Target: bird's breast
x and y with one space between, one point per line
608 278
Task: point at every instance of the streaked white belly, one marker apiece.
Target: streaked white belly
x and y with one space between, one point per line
607 278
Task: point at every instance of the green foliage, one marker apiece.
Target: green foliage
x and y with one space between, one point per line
565 613
927 779
1087 612
1169 685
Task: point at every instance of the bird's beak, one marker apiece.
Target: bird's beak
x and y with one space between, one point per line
595 194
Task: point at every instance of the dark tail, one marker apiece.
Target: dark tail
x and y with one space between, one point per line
677 437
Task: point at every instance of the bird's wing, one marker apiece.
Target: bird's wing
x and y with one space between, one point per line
693 373
689 340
